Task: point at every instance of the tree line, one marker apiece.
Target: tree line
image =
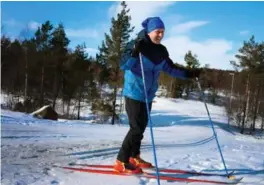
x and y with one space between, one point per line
44 70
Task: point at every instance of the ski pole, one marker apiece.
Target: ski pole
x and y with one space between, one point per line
212 125
150 122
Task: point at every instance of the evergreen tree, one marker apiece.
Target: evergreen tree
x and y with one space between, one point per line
192 63
83 77
43 37
250 57
111 52
191 60
5 54
251 61
31 83
17 72
59 44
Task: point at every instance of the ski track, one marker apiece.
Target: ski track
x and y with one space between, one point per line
27 163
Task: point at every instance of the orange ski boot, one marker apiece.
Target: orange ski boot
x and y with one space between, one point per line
139 162
126 168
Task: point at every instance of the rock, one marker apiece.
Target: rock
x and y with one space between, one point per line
46 112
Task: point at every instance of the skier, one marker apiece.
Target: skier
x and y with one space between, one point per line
155 58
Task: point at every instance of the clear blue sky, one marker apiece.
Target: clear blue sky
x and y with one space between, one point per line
212 30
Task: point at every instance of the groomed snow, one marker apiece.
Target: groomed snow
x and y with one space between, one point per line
31 147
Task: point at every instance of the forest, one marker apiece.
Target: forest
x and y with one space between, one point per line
43 70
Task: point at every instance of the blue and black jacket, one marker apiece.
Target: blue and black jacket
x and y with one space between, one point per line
155 59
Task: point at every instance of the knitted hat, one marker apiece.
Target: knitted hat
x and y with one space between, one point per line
152 23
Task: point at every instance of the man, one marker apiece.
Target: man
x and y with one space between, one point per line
155 58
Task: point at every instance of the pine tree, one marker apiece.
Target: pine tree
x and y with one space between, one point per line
82 77
43 38
250 56
59 44
191 60
5 59
251 61
192 63
111 52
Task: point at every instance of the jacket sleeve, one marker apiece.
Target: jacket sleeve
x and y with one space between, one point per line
173 70
127 61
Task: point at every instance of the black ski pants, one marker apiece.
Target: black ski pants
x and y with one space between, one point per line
138 121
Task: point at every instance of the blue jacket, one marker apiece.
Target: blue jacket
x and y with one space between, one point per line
133 82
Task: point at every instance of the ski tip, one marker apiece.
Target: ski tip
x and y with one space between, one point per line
236 181
231 177
240 179
72 164
56 166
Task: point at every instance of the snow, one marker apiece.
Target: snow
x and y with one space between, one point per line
31 148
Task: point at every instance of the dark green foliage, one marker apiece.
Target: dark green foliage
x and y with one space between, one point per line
191 63
250 61
109 58
191 60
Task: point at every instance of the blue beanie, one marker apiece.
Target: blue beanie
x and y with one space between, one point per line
152 23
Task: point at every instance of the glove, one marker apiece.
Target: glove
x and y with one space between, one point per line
193 73
137 48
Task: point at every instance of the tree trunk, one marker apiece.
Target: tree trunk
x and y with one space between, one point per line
262 124
54 89
256 106
79 102
79 107
121 102
68 107
62 90
42 85
63 106
26 77
245 108
114 105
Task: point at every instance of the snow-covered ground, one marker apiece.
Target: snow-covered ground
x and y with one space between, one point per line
183 136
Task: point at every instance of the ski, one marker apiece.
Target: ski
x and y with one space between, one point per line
166 170
151 176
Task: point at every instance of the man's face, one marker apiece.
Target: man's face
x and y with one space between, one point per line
156 35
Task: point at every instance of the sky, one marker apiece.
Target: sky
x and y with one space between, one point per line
214 31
